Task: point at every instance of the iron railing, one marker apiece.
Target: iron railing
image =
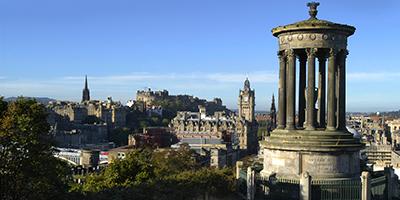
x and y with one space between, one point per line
378 188
336 189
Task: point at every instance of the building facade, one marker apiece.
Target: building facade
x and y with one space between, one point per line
240 129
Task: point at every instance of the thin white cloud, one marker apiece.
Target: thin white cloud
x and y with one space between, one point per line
256 77
131 77
372 76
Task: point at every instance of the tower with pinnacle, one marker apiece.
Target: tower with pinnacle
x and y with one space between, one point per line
247 124
86 92
246 102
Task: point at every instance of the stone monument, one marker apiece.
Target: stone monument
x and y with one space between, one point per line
320 146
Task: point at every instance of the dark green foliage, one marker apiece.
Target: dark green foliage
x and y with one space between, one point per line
3 106
28 169
119 136
183 103
168 174
90 119
165 122
137 120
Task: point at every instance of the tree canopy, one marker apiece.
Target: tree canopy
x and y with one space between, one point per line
168 174
28 169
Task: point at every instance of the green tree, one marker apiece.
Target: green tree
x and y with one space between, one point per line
3 106
143 124
165 121
28 169
119 136
166 174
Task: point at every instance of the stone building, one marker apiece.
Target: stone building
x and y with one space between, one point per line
86 123
378 155
156 137
109 112
150 101
73 111
218 128
394 125
246 102
372 128
74 135
238 129
312 145
223 155
247 125
149 96
396 139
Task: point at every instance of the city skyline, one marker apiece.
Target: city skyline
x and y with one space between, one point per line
186 48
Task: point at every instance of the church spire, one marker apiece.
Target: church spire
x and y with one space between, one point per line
273 102
86 92
272 114
86 85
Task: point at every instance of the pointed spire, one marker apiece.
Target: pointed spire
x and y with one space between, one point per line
86 84
273 103
86 92
273 98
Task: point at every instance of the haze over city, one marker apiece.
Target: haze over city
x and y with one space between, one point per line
206 48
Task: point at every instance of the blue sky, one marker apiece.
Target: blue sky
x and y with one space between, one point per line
205 48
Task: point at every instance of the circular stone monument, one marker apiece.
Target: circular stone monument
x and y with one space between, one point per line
316 139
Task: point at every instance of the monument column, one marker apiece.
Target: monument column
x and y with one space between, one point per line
291 90
282 90
331 125
302 89
321 90
311 89
342 90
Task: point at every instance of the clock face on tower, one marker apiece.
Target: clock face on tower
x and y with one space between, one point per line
246 98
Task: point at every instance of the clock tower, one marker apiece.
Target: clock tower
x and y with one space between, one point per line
247 125
246 102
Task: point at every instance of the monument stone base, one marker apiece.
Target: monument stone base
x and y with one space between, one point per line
323 154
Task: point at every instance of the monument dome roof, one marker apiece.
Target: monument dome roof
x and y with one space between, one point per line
313 24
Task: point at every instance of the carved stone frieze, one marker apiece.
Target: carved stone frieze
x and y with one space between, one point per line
301 40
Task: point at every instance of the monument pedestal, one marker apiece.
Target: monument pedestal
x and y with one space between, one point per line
323 154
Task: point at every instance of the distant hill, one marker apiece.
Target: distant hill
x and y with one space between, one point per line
43 100
394 114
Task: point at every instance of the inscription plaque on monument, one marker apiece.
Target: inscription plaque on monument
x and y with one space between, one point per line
320 164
